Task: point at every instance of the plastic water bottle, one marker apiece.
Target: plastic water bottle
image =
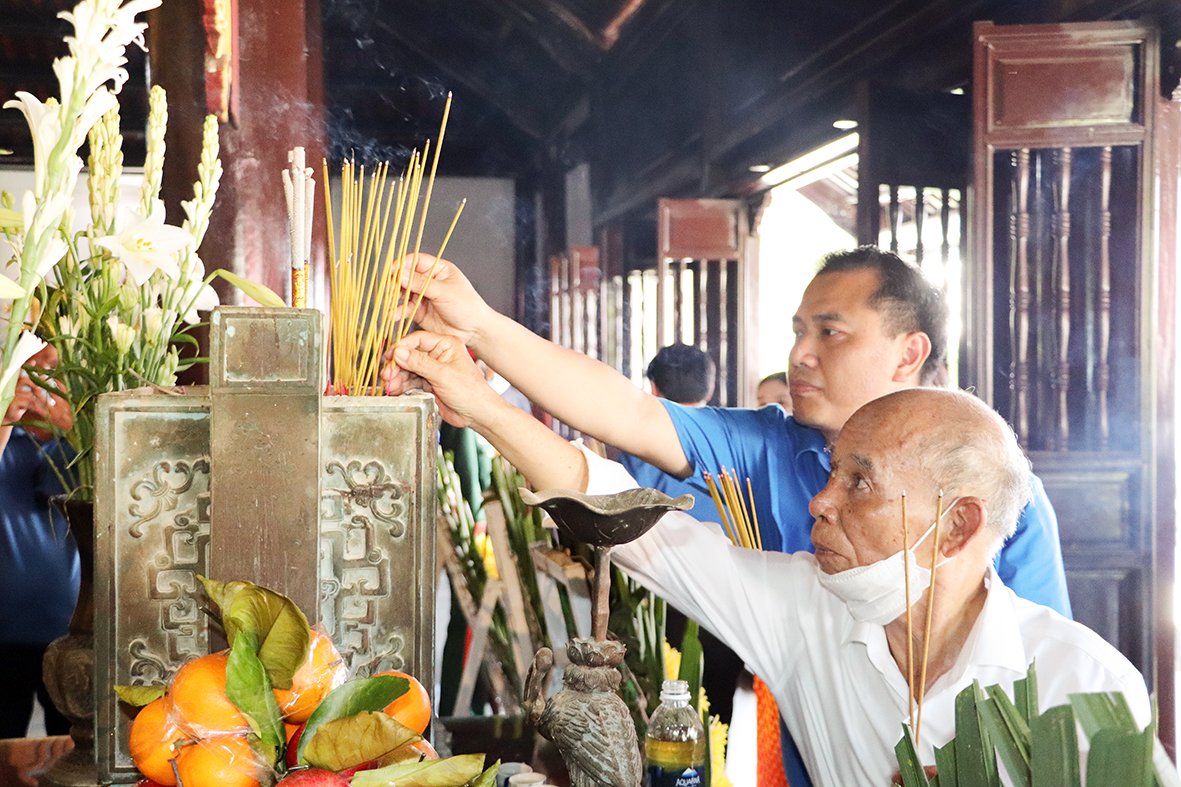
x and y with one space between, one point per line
675 745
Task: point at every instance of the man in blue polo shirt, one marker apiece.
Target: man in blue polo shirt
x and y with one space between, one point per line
868 325
685 375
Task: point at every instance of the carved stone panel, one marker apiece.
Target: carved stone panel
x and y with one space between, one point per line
152 539
377 532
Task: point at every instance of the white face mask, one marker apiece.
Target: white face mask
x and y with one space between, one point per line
876 593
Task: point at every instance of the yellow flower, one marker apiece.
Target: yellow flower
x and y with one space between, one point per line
672 662
718 735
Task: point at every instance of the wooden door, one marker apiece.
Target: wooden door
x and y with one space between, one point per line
706 289
1071 311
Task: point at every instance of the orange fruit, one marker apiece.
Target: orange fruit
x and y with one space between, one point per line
152 734
412 709
320 673
198 693
221 761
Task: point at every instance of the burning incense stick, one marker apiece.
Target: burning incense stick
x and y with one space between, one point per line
370 250
299 188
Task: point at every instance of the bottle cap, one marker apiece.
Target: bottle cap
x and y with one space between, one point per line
674 691
527 779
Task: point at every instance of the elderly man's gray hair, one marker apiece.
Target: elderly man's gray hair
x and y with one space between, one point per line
974 452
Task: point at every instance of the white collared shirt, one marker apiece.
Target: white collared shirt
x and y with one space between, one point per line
838 687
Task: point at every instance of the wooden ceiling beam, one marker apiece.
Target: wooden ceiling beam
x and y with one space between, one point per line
575 55
521 117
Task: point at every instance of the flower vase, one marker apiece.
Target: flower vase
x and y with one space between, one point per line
68 667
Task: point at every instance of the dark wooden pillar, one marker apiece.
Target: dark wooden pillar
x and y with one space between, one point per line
279 103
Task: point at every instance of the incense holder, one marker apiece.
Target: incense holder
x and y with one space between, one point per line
587 720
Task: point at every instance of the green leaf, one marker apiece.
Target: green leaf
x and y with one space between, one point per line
260 293
1119 757
351 698
909 766
975 760
281 627
1103 710
249 688
139 696
1025 694
487 778
429 773
222 593
1053 748
945 763
1010 744
365 736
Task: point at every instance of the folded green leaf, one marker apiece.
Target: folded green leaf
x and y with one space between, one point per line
1103 710
1119 757
349 699
365 736
1054 749
249 688
909 766
975 759
429 773
945 763
1025 694
260 293
138 696
1014 752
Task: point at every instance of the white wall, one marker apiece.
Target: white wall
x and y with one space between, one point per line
484 241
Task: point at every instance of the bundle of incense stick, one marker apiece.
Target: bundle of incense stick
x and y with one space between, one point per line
739 518
300 191
373 265
913 701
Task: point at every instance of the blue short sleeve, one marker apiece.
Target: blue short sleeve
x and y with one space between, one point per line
1031 561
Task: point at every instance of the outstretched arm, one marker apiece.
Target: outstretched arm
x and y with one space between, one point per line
580 391
441 365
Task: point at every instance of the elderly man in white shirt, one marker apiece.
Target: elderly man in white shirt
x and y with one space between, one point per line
828 632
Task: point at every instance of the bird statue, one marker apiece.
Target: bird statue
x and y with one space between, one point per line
587 720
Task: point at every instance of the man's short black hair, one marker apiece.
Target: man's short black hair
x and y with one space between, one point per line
683 374
904 298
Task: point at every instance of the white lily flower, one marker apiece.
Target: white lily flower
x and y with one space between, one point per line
206 300
45 127
27 346
148 245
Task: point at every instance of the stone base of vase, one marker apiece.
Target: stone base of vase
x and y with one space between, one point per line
68 670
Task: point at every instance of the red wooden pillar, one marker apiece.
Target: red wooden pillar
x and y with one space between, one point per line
276 102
